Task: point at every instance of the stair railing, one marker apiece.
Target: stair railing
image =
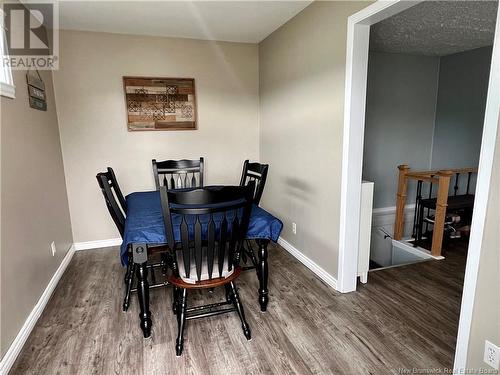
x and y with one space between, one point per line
441 178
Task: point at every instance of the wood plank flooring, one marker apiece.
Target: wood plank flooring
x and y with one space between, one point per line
405 317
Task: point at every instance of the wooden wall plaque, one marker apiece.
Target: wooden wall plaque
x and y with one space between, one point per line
160 103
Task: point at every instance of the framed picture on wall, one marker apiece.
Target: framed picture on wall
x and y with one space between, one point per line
160 103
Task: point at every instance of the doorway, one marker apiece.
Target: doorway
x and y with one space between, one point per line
354 122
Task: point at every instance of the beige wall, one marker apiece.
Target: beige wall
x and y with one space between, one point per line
34 207
302 76
92 119
486 314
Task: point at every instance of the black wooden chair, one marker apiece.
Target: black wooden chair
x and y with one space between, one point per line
111 191
212 230
257 173
178 174
117 207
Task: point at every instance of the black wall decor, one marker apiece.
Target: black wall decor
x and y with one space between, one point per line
36 91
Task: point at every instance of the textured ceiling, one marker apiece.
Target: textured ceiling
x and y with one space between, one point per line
437 28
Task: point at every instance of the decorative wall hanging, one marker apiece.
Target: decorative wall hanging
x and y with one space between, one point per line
160 103
36 91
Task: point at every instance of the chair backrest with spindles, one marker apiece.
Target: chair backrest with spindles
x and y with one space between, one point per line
115 202
211 225
178 174
255 172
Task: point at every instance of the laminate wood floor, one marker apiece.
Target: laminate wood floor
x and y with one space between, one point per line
405 317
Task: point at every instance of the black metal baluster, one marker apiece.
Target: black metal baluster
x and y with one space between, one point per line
165 183
428 208
455 188
172 182
417 212
193 181
420 220
415 215
186 180
468 182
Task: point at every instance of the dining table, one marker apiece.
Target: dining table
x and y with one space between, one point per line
145 229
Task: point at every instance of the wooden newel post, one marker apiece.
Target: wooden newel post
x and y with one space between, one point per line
401 201
440 216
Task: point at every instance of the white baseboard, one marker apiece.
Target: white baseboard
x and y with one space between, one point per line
18 343
97 244
314 267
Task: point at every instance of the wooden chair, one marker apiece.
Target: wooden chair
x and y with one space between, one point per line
111 191
117 207
257 173
212 230
178 174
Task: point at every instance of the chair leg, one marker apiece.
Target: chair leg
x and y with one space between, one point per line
251 253
153 276
164 264
244 258
129 281
241 313
175 299
228 293
181 321
127 273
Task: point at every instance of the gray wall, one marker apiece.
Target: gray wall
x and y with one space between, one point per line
302 76
426 112
400 112
463 86
34 204
92 118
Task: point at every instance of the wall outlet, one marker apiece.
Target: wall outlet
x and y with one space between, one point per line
491 354
294 228
53 248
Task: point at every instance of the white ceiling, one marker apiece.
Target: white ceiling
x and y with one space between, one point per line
437 28
233 21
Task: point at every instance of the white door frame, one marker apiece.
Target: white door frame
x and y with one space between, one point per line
358 35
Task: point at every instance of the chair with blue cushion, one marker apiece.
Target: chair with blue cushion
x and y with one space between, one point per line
205 230
117 207
256 172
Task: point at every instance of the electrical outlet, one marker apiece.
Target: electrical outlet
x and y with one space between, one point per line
491 354
294 228
53 248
